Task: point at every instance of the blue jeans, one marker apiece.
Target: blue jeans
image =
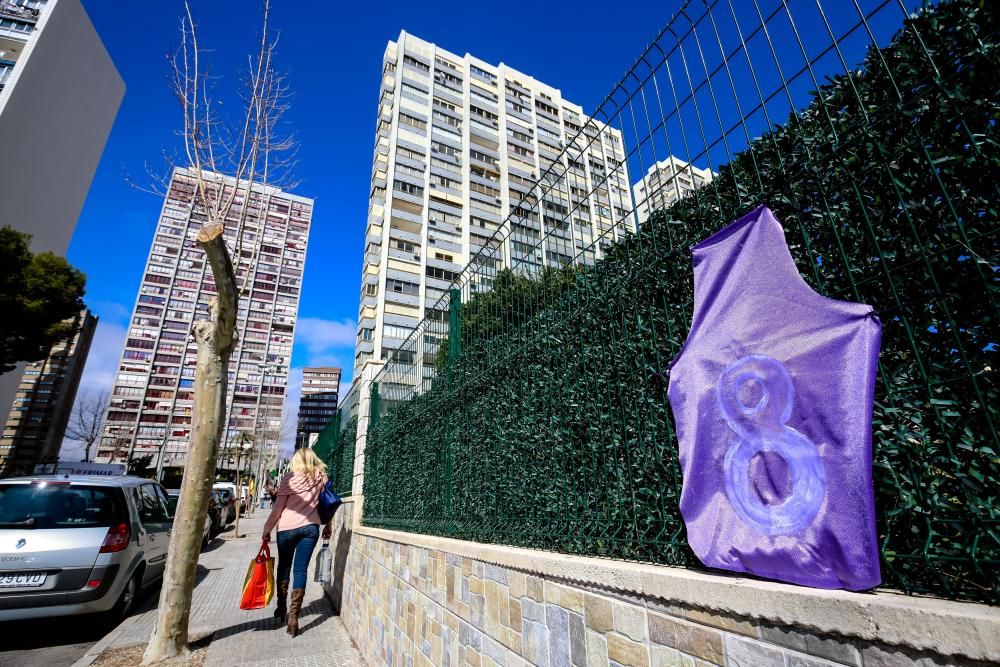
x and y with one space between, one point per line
295 548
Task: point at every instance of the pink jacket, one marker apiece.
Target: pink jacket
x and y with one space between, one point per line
296 501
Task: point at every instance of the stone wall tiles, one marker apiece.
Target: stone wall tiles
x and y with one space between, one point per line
406 605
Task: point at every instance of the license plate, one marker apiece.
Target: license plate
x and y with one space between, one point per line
21 580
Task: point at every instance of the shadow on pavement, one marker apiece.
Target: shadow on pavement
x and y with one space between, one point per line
321 607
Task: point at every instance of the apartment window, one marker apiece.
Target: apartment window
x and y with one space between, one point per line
520 136
408 188
438 180
483 157
441 274
445 149
489 116
443 257
409 153
410 171
406 246
438 102
446 63
484 189
392 331
371 289
519 108
440 216
480 73
414 93
443 164
412 121
446 77
401 287
519 150
367 334
410 60
448 120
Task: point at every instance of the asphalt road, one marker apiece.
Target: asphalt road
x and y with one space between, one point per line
59 642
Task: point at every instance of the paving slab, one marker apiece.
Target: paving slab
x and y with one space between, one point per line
244 638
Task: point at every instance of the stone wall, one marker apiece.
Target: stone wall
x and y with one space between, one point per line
410 604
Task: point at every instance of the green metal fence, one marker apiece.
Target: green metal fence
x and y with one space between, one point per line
529 408
335 445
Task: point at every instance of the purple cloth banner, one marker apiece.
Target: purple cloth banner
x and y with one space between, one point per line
772 398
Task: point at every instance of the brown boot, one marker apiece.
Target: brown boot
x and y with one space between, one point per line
282 609
293 610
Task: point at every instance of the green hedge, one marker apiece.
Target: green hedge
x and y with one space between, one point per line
552 429
335 446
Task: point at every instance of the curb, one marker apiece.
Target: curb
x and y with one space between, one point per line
106 642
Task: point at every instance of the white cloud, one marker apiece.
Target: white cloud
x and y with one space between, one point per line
111 310
320 336
293 394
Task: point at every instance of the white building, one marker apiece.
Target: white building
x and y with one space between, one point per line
461 145
665 183
150 409
59 95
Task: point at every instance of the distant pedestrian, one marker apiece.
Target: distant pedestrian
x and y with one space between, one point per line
269 491
295 516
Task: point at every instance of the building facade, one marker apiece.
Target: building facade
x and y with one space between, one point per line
665 183
42 405
59 95
460 146
318 404
150 407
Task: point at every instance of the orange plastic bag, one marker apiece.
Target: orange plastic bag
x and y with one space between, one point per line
258 587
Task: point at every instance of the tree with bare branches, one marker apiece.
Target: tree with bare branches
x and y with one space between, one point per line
235 163
87 420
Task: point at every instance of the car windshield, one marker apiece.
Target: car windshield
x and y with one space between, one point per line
47 506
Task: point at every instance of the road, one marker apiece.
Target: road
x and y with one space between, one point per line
58 642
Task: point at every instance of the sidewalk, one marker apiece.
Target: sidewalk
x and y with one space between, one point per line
243 638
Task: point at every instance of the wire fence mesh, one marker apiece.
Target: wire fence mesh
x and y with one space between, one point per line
529 407
336 443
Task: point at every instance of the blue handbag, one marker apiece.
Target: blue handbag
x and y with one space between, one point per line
329 501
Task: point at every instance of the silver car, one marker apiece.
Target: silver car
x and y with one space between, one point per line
76 544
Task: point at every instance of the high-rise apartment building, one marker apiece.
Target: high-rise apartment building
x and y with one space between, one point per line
667 182
150 408
59 94
318 403
37 422
461 145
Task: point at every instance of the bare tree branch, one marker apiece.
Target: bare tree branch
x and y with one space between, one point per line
87 420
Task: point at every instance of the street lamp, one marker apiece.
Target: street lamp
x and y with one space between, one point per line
265 369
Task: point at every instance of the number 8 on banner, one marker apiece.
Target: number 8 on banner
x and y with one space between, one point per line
755 396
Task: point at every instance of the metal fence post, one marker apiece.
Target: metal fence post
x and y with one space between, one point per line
375 409
455 325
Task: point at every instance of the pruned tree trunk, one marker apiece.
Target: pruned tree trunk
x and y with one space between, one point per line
215 338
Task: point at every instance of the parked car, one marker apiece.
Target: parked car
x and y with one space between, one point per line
227 497
216 508
174 495
78 544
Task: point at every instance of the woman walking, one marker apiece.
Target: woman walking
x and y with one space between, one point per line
297 520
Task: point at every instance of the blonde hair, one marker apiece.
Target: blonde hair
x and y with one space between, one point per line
305 462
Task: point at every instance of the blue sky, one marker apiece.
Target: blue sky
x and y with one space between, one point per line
332 52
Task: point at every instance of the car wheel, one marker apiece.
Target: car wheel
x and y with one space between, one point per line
127 598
